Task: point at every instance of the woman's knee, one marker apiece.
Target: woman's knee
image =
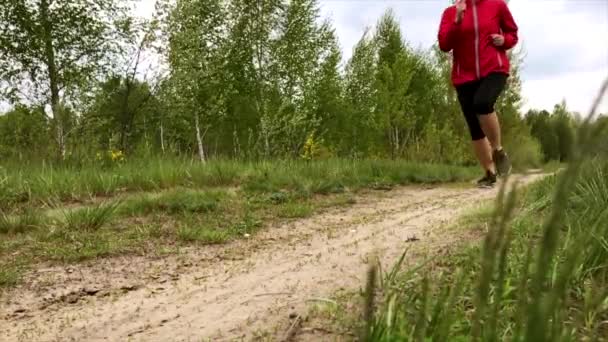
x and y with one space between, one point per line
483 106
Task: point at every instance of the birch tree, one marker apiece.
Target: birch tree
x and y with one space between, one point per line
197 38
51 49
360 94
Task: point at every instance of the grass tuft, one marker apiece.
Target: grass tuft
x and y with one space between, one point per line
90 219
9 276
28 221
295 210
174 202
202 235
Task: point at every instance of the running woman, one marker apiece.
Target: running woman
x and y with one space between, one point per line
479 33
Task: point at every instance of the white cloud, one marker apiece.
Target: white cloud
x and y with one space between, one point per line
578 88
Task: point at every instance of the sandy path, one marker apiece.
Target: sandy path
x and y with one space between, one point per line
237 291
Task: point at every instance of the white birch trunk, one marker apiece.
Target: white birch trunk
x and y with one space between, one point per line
162 138
199 140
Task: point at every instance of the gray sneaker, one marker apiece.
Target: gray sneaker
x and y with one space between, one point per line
488 181
502 162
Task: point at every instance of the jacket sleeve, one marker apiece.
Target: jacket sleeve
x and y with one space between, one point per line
448 30
508 26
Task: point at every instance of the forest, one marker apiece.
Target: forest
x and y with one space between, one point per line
240 80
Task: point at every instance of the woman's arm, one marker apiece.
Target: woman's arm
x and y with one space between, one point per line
448 30
508 26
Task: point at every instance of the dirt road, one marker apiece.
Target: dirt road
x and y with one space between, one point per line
236 291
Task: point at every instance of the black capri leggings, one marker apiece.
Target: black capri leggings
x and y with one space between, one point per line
478 98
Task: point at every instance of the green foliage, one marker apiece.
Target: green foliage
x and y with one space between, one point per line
394 74
526 153
52 52
122 115
314 149
555 131
360 94
24 133
248 80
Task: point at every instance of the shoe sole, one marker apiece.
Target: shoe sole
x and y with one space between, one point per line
504 168
502 172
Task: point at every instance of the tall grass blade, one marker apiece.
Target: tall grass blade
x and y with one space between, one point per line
368 308
539 318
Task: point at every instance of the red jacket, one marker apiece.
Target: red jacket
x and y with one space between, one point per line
474 54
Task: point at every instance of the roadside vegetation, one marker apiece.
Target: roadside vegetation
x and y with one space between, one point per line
150 207
539 275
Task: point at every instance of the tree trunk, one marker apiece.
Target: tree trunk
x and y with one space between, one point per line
49 53
397 142
261 78
237 144
394 141
126 116
162 138
199 140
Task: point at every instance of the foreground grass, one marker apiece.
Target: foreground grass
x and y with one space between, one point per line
540 275
212 204
488 291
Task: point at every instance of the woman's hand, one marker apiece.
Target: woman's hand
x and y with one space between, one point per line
461 6
498 39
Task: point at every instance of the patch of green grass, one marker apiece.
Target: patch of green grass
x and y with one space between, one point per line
28 184
338 201
203 235
174 202
21 223
476 216
278 197
553 166
185 202
151 231
90 218
218 229
9 276
189 202
295 210
248 224
74 246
